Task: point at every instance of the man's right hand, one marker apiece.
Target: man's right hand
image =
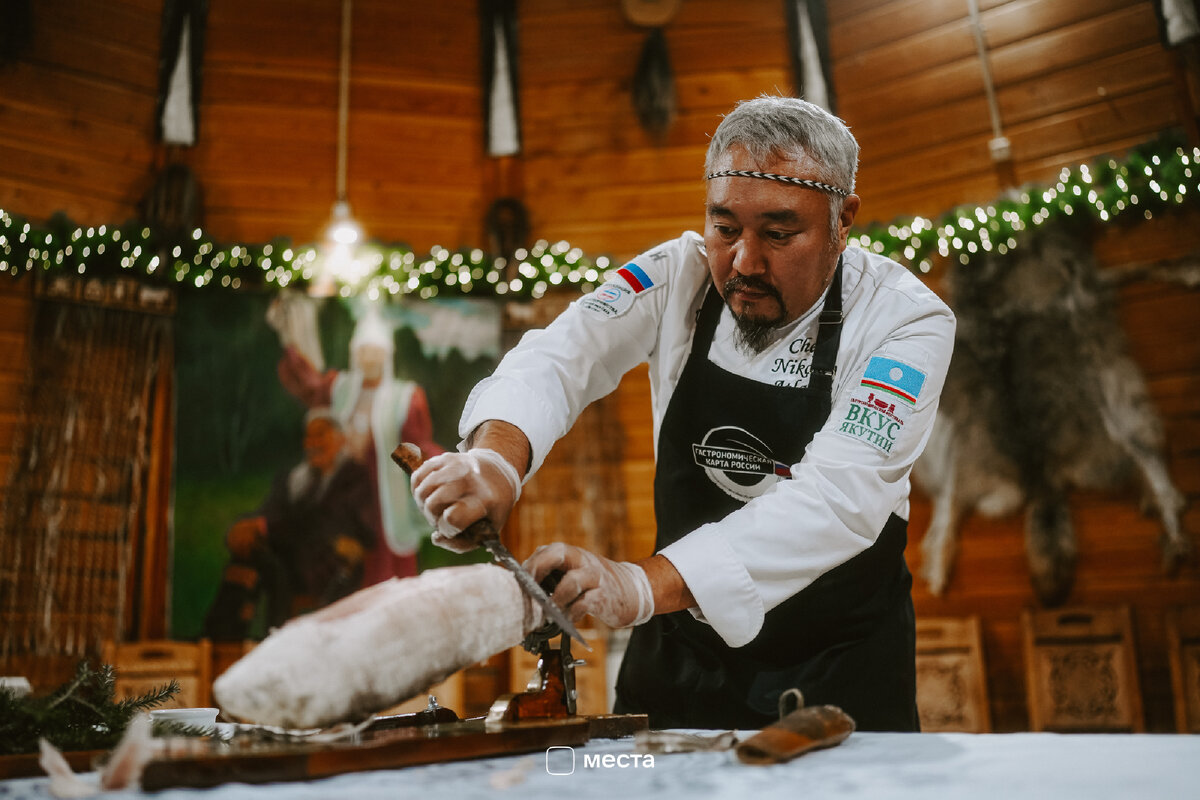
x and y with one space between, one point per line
454 490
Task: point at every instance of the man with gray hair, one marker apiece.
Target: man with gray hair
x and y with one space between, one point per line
794 382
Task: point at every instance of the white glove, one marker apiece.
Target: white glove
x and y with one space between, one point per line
616 593
455 489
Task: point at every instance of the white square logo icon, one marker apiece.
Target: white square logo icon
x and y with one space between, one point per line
560 760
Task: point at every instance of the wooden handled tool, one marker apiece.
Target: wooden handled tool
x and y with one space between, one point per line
797 732
482 532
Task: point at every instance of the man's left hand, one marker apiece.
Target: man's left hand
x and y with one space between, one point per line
616 593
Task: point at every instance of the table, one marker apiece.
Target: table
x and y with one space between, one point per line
867 766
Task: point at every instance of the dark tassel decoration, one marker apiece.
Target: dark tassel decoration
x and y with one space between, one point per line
654 85
16 29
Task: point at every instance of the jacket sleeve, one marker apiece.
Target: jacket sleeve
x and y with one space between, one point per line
853 476
543 384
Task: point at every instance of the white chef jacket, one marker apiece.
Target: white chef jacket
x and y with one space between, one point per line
852 476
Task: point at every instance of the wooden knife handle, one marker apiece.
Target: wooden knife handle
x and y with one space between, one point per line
408 456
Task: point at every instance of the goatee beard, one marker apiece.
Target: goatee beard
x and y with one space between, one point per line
754 332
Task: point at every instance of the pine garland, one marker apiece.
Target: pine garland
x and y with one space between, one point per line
1157 176
1153 178
82 714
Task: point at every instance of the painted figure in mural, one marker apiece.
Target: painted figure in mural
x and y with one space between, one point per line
306 545
781 482
378 411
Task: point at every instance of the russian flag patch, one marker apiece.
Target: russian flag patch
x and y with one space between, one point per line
895 378
636 277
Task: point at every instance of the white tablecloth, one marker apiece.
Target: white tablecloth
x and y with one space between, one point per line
867 766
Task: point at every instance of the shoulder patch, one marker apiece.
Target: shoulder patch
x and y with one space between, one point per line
616 296
610 300
895 378
636 277
882 402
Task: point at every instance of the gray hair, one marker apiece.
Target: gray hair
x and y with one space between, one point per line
788 127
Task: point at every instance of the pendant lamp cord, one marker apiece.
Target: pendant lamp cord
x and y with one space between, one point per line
343 101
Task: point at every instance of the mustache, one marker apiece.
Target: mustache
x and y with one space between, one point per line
753 283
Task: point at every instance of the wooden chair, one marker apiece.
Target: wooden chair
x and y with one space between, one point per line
951 679
226 654
1081 670
140 667
1183 651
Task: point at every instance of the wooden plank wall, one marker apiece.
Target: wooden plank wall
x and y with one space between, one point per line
1074 79
77 110
268 151
592 175
77 118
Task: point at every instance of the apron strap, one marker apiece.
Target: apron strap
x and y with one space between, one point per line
829 336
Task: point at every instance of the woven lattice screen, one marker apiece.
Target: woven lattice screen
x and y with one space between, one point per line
75 509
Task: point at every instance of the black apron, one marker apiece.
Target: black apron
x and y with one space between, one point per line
847 639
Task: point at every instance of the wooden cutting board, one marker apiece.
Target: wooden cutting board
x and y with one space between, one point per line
25 765
388 749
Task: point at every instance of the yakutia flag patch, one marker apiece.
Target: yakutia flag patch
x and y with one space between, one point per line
882 403
894 378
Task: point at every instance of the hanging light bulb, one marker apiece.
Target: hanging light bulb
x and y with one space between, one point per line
343 227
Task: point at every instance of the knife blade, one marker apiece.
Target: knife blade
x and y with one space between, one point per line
408 456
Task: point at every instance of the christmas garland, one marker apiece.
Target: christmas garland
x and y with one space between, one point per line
1154 177
1151 178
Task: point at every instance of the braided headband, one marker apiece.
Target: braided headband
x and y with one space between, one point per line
771 176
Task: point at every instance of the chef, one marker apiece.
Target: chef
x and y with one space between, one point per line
794 382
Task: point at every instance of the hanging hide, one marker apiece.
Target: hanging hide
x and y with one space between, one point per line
181 54
501 93
808 41
1178 21
1041 398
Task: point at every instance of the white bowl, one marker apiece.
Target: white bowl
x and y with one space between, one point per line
203 718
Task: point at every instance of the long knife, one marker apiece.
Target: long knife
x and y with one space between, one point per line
408 456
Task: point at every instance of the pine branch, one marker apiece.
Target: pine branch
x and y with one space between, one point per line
79 715
151 699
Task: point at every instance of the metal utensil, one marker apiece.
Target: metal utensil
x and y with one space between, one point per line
408 456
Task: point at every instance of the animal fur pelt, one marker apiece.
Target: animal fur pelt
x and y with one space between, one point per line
1041 397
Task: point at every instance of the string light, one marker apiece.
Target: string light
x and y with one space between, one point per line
1153 178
